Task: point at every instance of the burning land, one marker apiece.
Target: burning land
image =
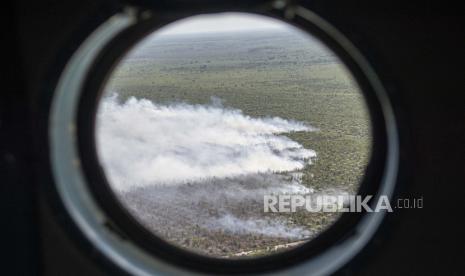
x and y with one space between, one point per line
194 131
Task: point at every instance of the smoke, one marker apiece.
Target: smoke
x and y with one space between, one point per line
142 143
177 166
273 228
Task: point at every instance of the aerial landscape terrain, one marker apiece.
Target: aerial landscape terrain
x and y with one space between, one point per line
193 130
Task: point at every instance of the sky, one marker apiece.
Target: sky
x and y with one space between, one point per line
224 22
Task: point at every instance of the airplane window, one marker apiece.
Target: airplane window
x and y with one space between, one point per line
211 120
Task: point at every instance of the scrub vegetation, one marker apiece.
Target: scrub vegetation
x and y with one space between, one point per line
264 74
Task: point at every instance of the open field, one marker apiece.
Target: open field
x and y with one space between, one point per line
264 75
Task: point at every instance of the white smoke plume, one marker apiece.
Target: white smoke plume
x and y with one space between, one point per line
272 228
142 143
180 165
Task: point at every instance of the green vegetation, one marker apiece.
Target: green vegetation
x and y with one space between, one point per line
266 74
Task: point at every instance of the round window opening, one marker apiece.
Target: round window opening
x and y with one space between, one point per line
233 135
